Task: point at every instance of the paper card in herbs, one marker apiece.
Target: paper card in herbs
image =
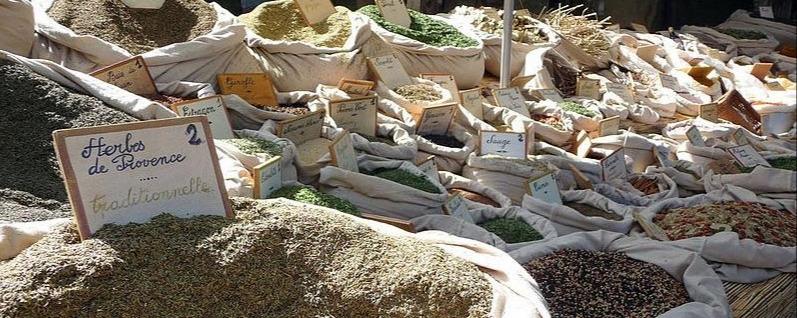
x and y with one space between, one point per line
650 228
609 126
458 208
548 94
429 168
512 99
471 100
255 88
355 87
342 151
302 128
613 166
505 144
436 120
709 112
620 90
747 156
315 11
268 178
132 172
583 144
131 75
358 115
389 70
394 11
581 180
545 188
444 80
694 136
213 107
590 88
740 137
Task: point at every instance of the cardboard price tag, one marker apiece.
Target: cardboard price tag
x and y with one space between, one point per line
671 82
761 70
590 88
662 157
613 166
132 172
650 228
255 88
358 115
444 80
512 99
694 136
471 100
214 108
545 188
315 11
740 137
709 112
549 94
647 52
342 151
766 12
131 75
581 180
268 178
389 70
505 144
429 168
302 128
609 126
747 156
583 144
620 90
436 120
458 208
394 11
356 87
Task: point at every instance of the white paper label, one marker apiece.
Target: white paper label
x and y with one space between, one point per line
131 75
546 189
212 107
609 126
429 168
302 128
550 94
268 178
446 81
342 151
315 11
511 99
505 144
613 166
583 144
457 207
471 100
436 120
394 11
766 12
709 112
590 88
357 115
694 136
620 90
747 156
390 71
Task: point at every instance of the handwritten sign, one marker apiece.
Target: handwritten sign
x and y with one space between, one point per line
458 208
315 11
505 144
609 126
302 128
709 112
342 151
583 144
402 224
740 137
511 99
662 156
545 188
131 75
613 166
436 120
444 80
132 172
761 70
213 107
747 156
358 115
581 180
394 11
775 86
429 168
590 88
355 87
620 90
389 70
766 12
471 100
650 228
268 178
647 52
255 88
549 94
671 82
694 136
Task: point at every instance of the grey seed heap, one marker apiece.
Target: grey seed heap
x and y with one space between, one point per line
588 210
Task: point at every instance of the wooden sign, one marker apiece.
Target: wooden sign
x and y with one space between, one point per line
545 188
505 144
458 208
394 11
471 100
647 52
255 88
613 166
355 87
429 168
511 99
268 178
548 94
402 224
639 28
436 120
761 70
740 137
694 136
700 73
581 180
131 75
214 108
342 151
389 70
315 11
358 115
132 172
444 80
609 126
650 228
583 144
302 128
747 156
590 88
709 112
620 90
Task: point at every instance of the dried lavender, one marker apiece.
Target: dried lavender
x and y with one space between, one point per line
512 230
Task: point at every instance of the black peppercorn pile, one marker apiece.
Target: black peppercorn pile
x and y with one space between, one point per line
604 284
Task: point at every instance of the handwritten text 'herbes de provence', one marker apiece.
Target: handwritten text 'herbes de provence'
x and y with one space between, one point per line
123 155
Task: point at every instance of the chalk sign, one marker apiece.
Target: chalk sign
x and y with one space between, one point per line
358 115
389 70
394 11
590 88
709 112
620 90
302 128
315 11
505 144
583 144
747 156
613 166
458 208
342 151
429 168
131 75
444 80
512 99
545 188
132 172
255 88
609 126
549 94
355 87
471 100
694 136
213 107
581 180
740 137
436 120
268 178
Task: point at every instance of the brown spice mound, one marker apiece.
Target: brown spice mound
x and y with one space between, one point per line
166 99
297 109
588 210
473 196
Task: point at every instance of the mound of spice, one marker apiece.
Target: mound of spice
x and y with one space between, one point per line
753 221
418 93
282 21
444 140
378 139
406 178
423 29
552 121
309 152
136 30
18 206
274 259
645 185
588 210
309 195
577 108
34 107
473 196
604 284
297 109
256 146
743 34
512 230
785 163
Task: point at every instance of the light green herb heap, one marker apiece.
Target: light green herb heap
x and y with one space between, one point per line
512 230
577 108
282 20
406 178
254 146
312 196
422 28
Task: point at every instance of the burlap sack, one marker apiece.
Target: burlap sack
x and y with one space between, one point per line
447 158
507 176
637 147
414 107
453 181
243 184
622 192
762 180
245 116
564 215
520 123
782 32
16 26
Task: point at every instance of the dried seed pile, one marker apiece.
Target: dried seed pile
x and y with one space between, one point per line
423 29
445 141
524 30
406 178
552 121
282 21
753 221
297 109
588 210
604 284
583 30
645 185
18 206
785 163
312 150
309 195
512 230
383 140
256 146
577 108
136 30
275 259
473 196
743 34
418 93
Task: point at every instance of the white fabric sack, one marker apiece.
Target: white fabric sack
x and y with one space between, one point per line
447 158
637 147
16 26
704 287
405 149
16 237
245 116
414 107
249 162
622 192
761 180
506 176
453 181
521 123
744 47
562 214
783 33
581 122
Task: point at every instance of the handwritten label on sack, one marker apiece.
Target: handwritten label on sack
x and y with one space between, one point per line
747 156
132 172
609 126
436 120
590 88
583 144
549 94
471 100
342 151
650 228
315 11
766 12
694 136
355 87
213 107
394 11
740 137
458 208
511 99
613 166
545 188
268 178
662 156
429 168
389 70
302 128
709 112
444 80
255 88
358 115
671 82
620 90
131 75
505 144
647 52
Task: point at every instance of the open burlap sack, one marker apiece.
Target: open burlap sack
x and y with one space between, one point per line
744 47
570 218
16 26
503 116
245 116
414 107
507 176
639 148
388 111
704 287
452 181
447 158
622 192
249 162
405 148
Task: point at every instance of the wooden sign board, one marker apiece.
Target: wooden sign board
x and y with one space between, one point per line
590 88
214 108
302 128
740 137
694 136
650 228
268 178
342 151
613 166
255 88
761 70
389 70
620 90
458 208
429 168
471 100
545 188
436 120
512 99
647 52
402 224
609 126
315 11
700 73
394 11
583 144
355 87
709 112
548 94
358 115
118 174
747 156
446 81
581 180
505 144
131 75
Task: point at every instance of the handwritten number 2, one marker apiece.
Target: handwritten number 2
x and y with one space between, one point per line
193 140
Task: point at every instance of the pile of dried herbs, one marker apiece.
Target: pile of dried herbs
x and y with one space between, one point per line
552 121
297 109
18 206
445 141
743 34
753 221
256 146
591 211
309 195
512 230
524 29
282 20
785 163
406 178
378 139
423 29
418 93
276 258
604 284
645 185
473 196
577 108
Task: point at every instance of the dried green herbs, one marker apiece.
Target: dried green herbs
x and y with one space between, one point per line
445 141
256 146
312 196
524 29
406 178
297 109
588 210
18 206
423 29
282 20
743 34
378 139
512 230
418 93
604 284
785 163
577 108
